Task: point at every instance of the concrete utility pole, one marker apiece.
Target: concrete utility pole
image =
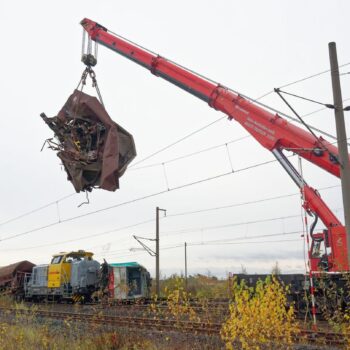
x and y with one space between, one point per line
157 250
186 266
342 140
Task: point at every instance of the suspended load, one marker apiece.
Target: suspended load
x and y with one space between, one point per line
94 150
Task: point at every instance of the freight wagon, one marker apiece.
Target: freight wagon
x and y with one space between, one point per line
12 278
128 281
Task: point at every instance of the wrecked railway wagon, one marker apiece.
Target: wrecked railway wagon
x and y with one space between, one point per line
12 278
94 150
128 281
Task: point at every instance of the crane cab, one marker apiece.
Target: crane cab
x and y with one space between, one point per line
60 268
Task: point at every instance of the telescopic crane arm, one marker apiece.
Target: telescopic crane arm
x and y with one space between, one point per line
270 130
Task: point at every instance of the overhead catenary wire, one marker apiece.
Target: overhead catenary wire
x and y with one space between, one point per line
191 154
204 243
307 126
196 131
56 203
60 220
36 209
320 109
177 141
135 200
169 216
312 76
310 127
227 241
244 203
211 80
288 116
83 237
218 176
147 166
73 218
239 240
229 225
235 239
253 100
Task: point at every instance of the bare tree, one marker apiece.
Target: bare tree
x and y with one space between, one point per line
276 270
243 269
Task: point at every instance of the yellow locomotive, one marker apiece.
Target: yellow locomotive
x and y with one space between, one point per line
70 276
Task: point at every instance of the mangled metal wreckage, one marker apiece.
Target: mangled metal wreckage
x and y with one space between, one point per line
94 150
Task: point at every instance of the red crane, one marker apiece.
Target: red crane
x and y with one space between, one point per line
270 130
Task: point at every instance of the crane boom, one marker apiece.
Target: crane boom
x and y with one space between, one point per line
270 130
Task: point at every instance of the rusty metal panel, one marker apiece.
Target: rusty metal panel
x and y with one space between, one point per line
8 273
95 151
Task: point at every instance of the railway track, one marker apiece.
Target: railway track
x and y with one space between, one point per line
162 324
123 321
217 308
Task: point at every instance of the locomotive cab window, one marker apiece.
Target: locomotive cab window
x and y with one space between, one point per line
56 259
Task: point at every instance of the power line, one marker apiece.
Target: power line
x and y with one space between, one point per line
320 109
191 154
208 228
148 166
139 199
233 241
217 146
144 159
311 76
249 98
217 227
176 215
130 167
228 242
79 238
136 200
169 233
60 221
193 133
178 141
169 190
244 203
242 223
180 245
36 210
211 80
292 83
288 116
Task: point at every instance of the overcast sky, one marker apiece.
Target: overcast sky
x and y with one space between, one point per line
250 46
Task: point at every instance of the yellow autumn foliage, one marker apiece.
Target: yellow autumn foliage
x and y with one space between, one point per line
178 302
259 317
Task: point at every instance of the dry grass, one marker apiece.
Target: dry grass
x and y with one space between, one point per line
25 331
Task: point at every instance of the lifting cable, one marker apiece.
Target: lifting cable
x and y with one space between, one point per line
90 60
88 71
